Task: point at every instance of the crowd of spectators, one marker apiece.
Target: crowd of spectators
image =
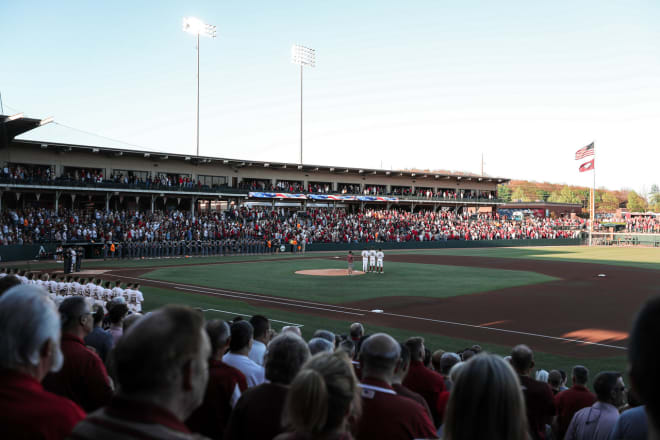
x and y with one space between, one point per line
314 225
643 224
171 375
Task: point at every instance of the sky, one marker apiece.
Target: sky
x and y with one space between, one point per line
418 84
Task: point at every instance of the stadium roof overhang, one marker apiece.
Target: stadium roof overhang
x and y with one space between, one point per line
15 125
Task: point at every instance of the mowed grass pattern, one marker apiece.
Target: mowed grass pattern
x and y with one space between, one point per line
400 279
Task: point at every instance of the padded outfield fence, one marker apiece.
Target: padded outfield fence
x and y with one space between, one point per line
624 239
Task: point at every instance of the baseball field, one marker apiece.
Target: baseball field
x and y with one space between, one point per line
569 304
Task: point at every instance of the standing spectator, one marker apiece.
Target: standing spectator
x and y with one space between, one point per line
644 360
423 380
258 413
400 373
356 332
486 402
116 315
29 349
83 377
572 400
386 414
631 425
225 386
239 348
159 388
538 395
322 399
597 421
261 326
99 339
554 380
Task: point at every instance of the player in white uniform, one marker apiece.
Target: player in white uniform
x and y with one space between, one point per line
117 291
365 260
140 297
372 260
379 261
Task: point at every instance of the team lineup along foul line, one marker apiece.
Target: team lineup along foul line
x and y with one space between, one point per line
338 309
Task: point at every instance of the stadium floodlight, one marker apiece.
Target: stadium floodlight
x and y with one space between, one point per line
302 56
14 117
47 120
197 27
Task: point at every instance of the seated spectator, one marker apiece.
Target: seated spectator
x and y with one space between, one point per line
83 377
320 345
29 349
239 348
385 413
644 360
99 339
597 421
7 282
325 334
554 380
447 361
572 400
293 329
258 413
261 326
130 320
422 380
159 388
225 386
356 332
116 315
322 399
348 346
538 396
400 372
486 402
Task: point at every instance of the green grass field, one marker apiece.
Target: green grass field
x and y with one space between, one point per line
402 279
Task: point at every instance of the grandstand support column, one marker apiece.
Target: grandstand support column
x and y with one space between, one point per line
153 201
412 207
57 200
107 202
192 206
388 206
1 193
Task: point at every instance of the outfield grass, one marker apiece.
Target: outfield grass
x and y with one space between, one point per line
400 279
646 258
155 297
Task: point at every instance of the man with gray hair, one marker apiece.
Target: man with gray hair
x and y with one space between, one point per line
258 413
384 413
29 349
161 365
320 345
83 377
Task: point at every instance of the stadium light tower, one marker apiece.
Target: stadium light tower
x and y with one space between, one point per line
303 56
197 27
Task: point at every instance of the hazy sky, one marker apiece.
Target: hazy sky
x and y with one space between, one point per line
425 84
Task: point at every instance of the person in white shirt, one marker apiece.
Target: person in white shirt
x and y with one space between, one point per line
74 288
372 260
239 348
379 261
365 261
140 297
117 291
261 326
107 291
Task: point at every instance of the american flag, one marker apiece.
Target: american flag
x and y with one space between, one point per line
584 152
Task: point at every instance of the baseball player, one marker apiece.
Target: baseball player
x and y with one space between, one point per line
379 261
365 261
372 260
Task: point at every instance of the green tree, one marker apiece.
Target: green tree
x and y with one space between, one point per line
504 192
519 195
542 194
555 197
567 195
654 199
636 203
608 203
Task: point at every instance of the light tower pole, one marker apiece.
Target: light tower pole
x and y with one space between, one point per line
303 56
197 27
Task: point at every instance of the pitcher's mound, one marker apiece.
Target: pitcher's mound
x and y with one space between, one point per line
328 272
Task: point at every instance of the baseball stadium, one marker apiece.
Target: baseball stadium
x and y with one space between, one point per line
150 293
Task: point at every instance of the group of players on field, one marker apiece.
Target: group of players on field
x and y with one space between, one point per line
372 261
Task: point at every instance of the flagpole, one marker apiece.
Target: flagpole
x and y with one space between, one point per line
593 198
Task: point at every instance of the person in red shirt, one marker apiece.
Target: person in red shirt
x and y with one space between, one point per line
225 386
570 401
424 381
538 395
385 413
29 349
83 377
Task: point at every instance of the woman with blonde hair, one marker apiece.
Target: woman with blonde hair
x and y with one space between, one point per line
486 402
322 399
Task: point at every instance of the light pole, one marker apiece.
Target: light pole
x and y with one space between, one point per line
197 27
303 56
